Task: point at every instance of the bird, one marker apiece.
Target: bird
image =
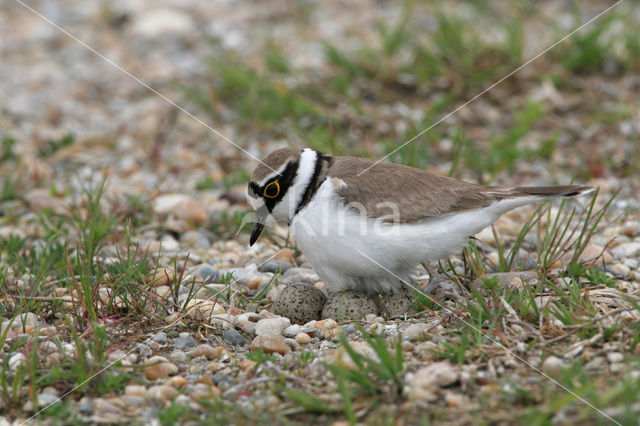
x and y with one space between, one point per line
365 226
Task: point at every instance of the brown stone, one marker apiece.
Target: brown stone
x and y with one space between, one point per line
207 351
270 344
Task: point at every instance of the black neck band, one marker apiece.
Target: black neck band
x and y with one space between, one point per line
315 181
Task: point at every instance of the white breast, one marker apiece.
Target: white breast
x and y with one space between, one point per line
331 237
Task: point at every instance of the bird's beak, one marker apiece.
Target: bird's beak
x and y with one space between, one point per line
255 232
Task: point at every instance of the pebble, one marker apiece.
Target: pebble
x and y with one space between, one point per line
424 384
254 282
160 369
553 364
291 343
160 337
45 399
284 255
85 407
300 303
615 357
507 279
417 331
178 355
162 277
594 253
270 344
303 338
16 360
207 274
203 309
162 392
292 331
41 199
274 266
184 342
596 364
232 337
207 351
631 249
194 239
135 390
300 275
272 326
620 270
349 305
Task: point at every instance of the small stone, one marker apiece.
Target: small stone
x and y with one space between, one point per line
596 364
272 326
184 343
135 390
205 391
595 254
178 355
207 351
84 407
160 369
426 381
247 364
615 357
203 309
41 200
270 344
144 350
177 382
303 339
45 399
207 274
16 360
631 249
162 277
103 406
162 392
284 255
416 331
253 282
160 337
274 266
620 270
454 400
194 239
291 343
349 305
182 207
292 330
232 337
300 303
553 364
300 275
507 279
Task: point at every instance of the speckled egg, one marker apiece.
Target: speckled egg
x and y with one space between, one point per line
397 304
349 305
300 303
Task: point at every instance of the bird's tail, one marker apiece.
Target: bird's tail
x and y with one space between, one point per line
550 191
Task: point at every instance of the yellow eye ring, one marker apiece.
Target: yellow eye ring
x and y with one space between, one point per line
270 194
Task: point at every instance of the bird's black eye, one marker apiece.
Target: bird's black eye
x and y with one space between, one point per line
272 190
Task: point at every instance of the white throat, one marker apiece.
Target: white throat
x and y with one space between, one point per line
286 208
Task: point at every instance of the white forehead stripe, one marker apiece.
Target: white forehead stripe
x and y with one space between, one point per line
278 172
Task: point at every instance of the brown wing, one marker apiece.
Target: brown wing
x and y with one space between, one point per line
420 194
417 193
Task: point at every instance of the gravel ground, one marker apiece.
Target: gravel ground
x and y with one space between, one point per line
191 317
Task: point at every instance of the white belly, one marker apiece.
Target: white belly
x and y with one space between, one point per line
349 251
